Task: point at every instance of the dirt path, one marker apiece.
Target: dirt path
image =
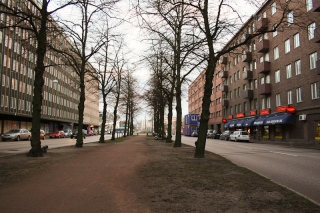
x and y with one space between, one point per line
139 175
89 180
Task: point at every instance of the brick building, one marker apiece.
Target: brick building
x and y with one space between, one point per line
270 86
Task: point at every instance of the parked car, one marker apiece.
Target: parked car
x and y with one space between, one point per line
240 136
57 134
16 134
67 133
210 133
42 134
213 134
75 134
216 135
226 135
194 133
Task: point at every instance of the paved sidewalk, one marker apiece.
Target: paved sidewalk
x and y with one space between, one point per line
92 180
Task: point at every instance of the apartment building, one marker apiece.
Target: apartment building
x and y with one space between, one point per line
195 96
60 92
270 86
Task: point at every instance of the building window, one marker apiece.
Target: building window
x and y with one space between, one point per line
298 94
313 60
290 18
268 99
278 100
238 73
287 46
288 71
296 40
263 103
309 4
230 95
255 83
289 94
231 110
311 29
273 8
275 33
277 76
315 90
275 53
297 66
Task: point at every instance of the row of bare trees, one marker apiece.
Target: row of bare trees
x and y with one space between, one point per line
82 38
197 35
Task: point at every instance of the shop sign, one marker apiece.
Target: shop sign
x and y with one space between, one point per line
230 117
265 112
224 121
253 112
240 115
288 109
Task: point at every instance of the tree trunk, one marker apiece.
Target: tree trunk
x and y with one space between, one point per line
179 113
79 143
169 136
36 150
104 118
115 115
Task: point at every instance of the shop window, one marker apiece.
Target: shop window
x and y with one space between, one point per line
278 132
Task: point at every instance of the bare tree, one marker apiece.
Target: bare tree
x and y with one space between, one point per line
172 22
86 42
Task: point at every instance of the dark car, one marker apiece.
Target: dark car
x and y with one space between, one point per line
216 134
75 134
226 135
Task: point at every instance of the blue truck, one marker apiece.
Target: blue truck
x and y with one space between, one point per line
191 123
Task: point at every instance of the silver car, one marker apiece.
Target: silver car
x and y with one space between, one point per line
16 134
240 136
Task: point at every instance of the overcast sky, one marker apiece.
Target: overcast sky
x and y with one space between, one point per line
137 47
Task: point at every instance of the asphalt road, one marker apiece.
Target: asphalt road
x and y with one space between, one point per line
295 168
16 147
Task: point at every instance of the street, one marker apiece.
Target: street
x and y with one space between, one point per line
16 147
295 168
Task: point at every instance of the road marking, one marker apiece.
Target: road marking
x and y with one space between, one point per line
245 147
282 153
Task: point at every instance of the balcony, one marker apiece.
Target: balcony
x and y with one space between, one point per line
248 75
264 67
318 67
262 25
223 60
224 74
225 103
247 57
316 6
263 46
317 35
224 88
248 94
265 89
